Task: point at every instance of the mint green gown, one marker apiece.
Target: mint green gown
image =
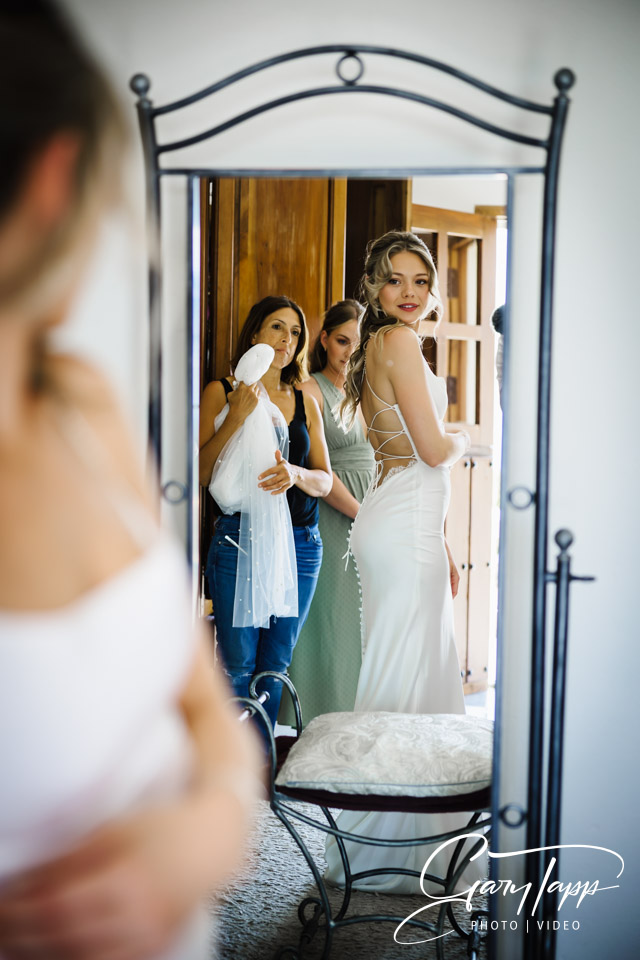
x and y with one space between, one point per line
327 658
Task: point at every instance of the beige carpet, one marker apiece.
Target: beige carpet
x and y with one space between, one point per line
257 914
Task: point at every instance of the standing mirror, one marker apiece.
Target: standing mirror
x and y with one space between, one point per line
490 228
306 238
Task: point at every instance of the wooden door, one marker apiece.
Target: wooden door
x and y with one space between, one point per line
480 571
265 237
458 539
373 208
272 237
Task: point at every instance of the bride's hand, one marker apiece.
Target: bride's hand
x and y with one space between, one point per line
457 432
454 576
280 478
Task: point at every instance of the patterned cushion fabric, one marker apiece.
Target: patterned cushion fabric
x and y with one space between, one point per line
391 754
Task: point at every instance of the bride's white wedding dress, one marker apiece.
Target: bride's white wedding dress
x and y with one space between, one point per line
410 663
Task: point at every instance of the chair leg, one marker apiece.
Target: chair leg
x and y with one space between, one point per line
322 906
346 866
455 870
471 935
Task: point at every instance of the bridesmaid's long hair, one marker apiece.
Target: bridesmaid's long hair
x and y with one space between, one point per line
375 323
341 312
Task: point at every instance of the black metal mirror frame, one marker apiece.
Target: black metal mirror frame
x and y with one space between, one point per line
541 830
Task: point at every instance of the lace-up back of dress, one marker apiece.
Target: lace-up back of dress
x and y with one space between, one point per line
390 438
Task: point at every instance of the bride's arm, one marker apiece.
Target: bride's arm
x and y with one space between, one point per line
404 364
130 886
454 576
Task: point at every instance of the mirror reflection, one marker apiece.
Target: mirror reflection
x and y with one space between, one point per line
284 264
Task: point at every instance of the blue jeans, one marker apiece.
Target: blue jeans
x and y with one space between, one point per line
246 651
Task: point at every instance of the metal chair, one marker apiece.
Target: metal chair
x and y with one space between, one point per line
316 913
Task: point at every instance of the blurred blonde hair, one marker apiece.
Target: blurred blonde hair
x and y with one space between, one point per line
50 85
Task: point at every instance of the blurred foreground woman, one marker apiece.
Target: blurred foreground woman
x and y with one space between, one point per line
123 775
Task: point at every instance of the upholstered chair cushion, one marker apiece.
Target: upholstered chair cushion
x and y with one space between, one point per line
391 754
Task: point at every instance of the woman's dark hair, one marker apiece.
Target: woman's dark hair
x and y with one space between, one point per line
296 371
341 312
497 319
49 85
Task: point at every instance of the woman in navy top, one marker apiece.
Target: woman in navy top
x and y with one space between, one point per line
304 477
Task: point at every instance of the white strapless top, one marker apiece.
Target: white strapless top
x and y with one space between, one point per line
89 723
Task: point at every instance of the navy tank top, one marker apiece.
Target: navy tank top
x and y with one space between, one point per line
304 509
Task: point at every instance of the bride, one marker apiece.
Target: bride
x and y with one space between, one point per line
407 574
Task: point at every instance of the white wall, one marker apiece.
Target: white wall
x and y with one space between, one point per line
517 46
460 193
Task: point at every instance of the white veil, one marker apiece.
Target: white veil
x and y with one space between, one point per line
266 576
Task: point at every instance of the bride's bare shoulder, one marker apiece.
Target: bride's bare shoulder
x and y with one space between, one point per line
80 383
80 386
393 345
401 338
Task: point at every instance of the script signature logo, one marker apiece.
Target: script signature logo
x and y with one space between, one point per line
578 889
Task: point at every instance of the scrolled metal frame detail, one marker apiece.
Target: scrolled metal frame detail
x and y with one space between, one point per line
521 498
350 55
174 491
512 810
556 112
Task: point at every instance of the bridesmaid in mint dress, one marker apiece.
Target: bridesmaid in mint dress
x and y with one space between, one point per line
327 659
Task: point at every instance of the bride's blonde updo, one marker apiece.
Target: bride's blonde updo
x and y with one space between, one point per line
377 272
